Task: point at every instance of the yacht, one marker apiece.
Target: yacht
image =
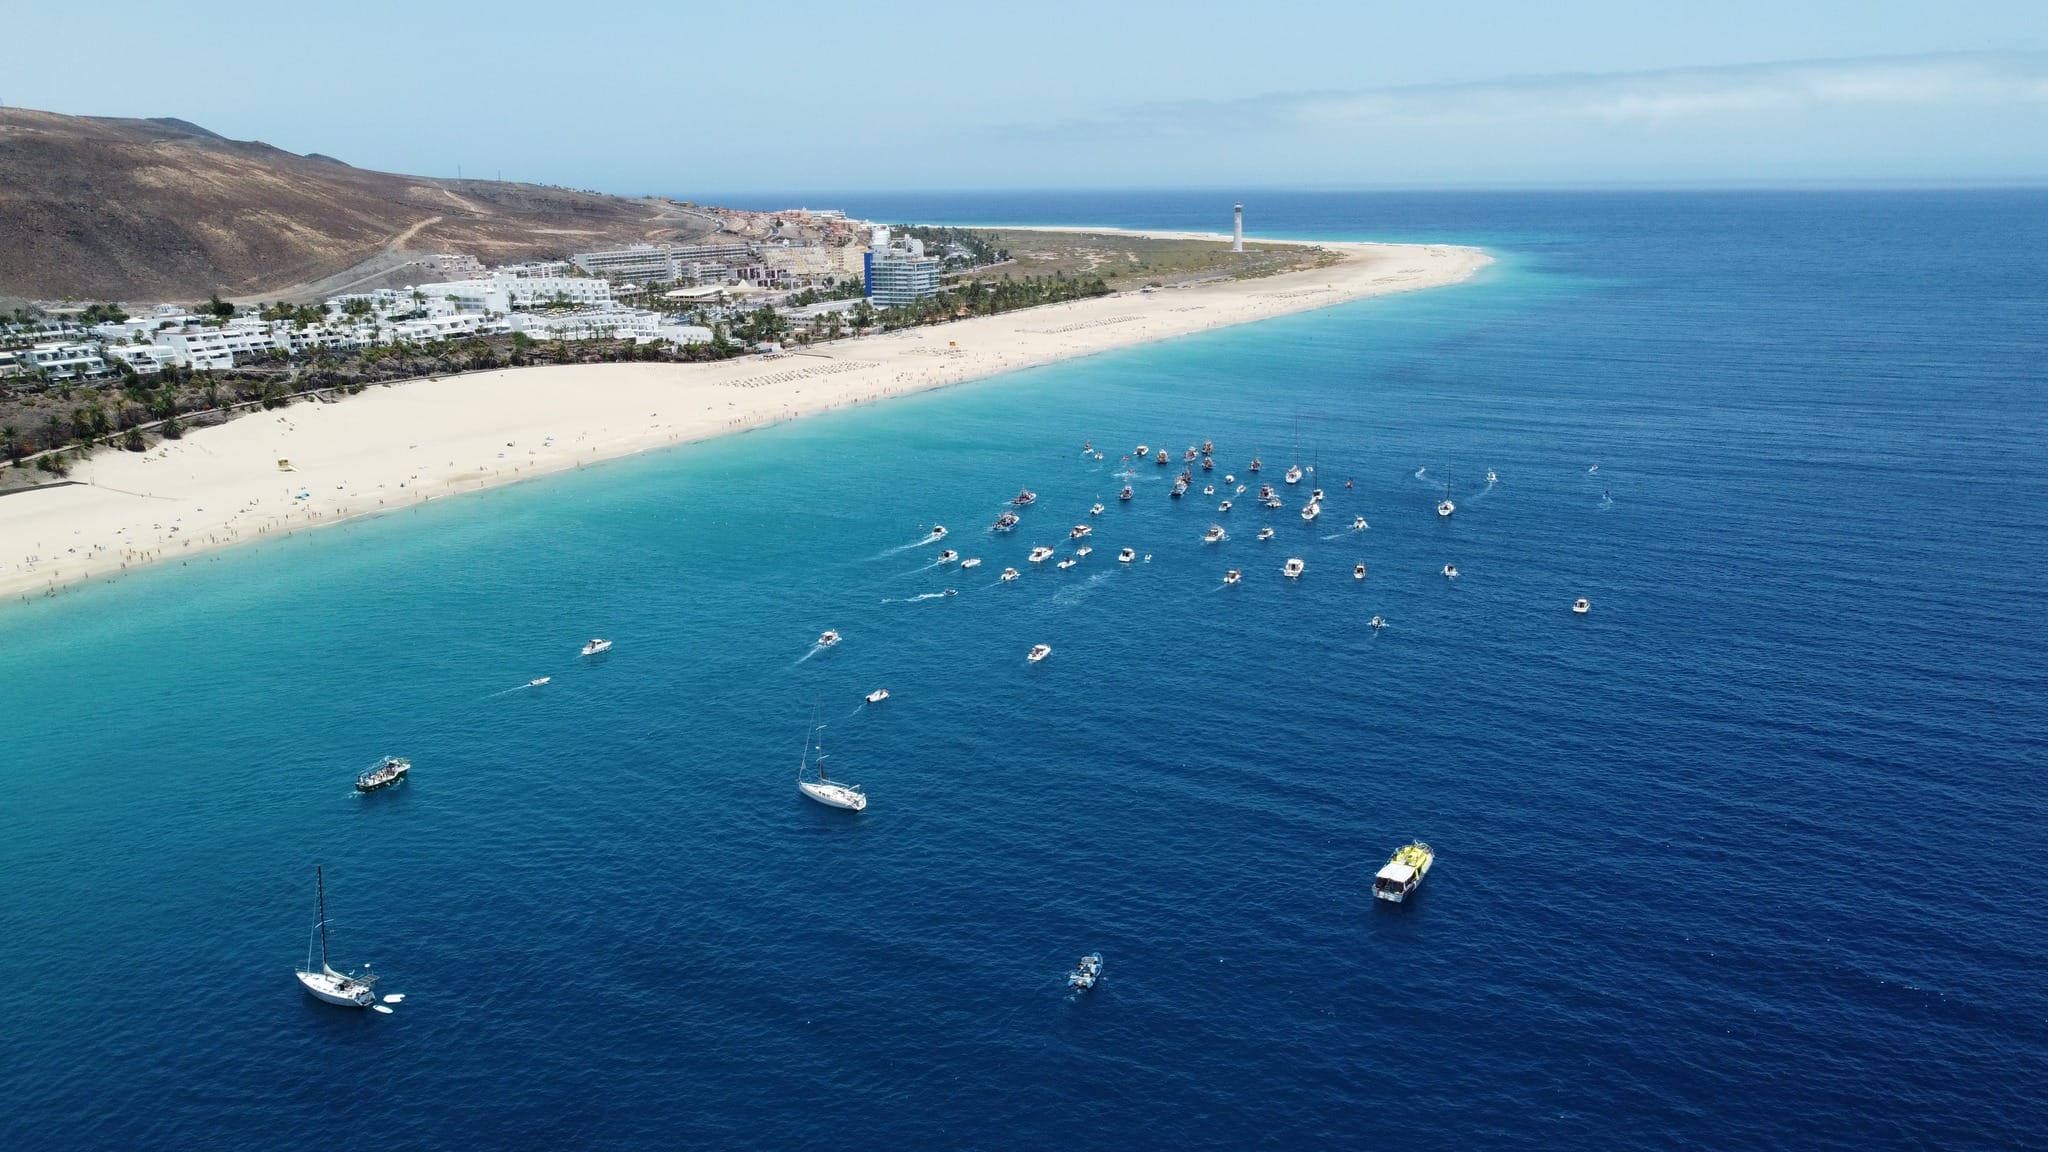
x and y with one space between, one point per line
1179 490
1266 533
1293 474
948 556
1125 494
1311 510
1223 507
324 983
1233 576
1080 530
596 646
1040 554
1403 874
1009 574
970 562
878 695
1086 972
1377 623
1581 606
1293 568
1126 556
1024 496
1038 652
938 531
830 793
1358 571
1067 563
1213 535
1084 549
1358 524
1450 571
1005 522
828 638
383 774
1095 511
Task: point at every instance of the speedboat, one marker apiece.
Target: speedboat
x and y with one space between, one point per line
1491 478
1161 458
938 531
1095 511
1213 535
1179 490
1358 524
1126 556
1255 464
1009 574
1223 507
1358 571
1208 489
1208 447
538 681
1079 531
1040 554
828 638
1125 494
1293 568
1376 623
1086 972
1590 471
383 774
596 646
1024 496
878 695
1083 550
1293 474
1240 490
1208 464
1005 522
1233 576
1143 451
1230 478
970 562
1069 562
1581 606
952 591
1265 492
1190 457
1311 510
1266 533
1403 874
346 989
828 792
1450 571
1038 652
948 556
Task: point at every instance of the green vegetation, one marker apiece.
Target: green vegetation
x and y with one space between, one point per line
298 315
101 314
845 289
989 296
1128 262
982 247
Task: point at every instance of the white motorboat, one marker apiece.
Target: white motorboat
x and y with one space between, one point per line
1358 571
825 791
1223 507
1024 496
1126 556
1214 535
878 695
1084 549
1255 463
383 774
1179 490
1491 478
970 562
1095 511
1125 494
1040 554
1069 562
344 988
1590 471
948 556
1293 474
1086 972
1161 458
1038 652
1079 531
596 646
828 638
1445 508
538 681
1009 573
1230 478
1275 503
938 531
1358 524
1581 606
1450 571
1144 450
1240 489
1208 489
1266 533
1293 568
1311 511
1377 622
1233 576
952 592
1005 522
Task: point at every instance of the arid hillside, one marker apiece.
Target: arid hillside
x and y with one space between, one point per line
145 210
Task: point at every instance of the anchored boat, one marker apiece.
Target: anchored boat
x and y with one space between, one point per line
324 983
1086 972
1403 874
383 774
827 792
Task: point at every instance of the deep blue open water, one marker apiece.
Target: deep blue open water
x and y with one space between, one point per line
1752 856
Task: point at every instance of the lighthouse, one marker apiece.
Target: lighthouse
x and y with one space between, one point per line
1237 230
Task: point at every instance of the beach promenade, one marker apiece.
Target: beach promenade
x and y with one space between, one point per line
392 446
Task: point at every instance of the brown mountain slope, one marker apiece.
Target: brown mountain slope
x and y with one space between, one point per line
144 210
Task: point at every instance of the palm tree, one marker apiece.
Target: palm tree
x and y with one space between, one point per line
10 436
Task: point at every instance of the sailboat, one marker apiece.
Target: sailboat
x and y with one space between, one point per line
347 990
1445 508
826 792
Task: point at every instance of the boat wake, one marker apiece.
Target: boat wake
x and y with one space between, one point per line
930 538
1422 474
916 598
815 649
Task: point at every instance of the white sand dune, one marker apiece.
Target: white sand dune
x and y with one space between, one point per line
393 446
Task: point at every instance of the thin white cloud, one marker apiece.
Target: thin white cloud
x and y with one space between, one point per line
1642 98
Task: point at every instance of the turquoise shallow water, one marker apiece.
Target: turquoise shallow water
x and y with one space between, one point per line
1750 856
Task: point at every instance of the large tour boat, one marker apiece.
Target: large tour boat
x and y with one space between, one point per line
383 774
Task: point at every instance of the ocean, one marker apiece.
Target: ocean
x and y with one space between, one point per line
1751 855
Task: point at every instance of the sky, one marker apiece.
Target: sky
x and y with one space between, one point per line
697 100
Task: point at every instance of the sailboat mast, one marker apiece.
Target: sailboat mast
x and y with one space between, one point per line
320 884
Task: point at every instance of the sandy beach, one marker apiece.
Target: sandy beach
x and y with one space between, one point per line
396 445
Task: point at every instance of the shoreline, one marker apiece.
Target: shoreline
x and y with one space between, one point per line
396 445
